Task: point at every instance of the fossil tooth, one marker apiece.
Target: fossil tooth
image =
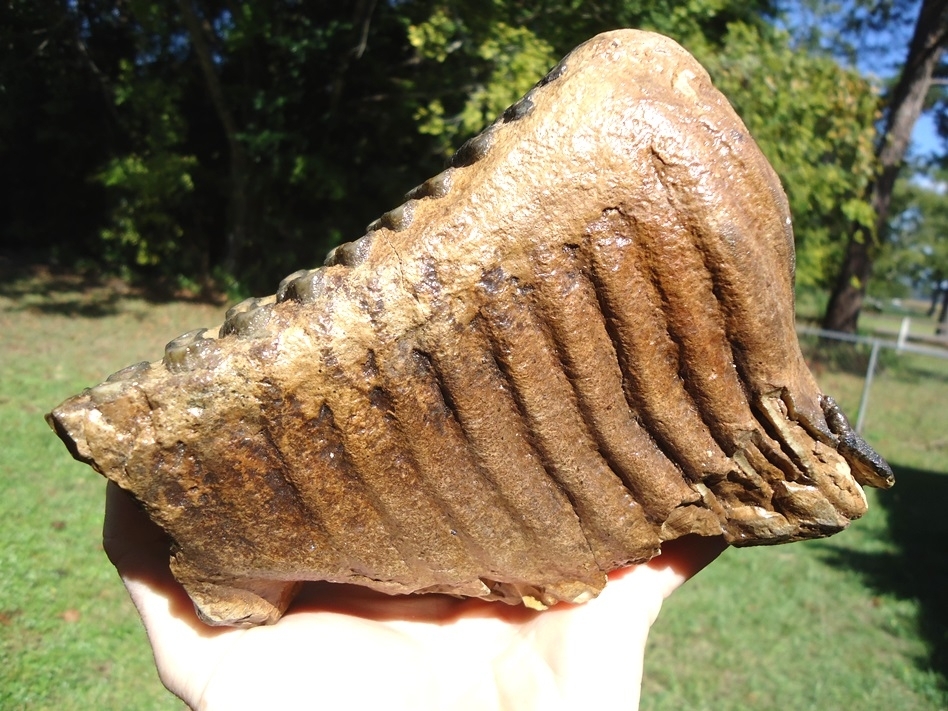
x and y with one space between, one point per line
574 345
554 74
131 372
400 218
250 316
283 289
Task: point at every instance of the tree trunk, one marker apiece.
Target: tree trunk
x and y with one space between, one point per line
942 328
239 173
905 106
842 311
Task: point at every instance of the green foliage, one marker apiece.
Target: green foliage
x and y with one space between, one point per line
512 59
475 59
151 186
814 121
340 108
143 230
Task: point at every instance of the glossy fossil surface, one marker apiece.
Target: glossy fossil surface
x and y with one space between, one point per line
573 344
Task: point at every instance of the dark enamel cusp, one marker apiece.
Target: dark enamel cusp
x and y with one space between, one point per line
248 318
395 220
374 225
400 218
132 372
117 384
436 187
554 74
281 289
308 288
517 111
305 289
478 146
190 351
349 254
474 149
336 256
242 307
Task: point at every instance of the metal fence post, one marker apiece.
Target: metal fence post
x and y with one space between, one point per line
901 345
867 384
903 333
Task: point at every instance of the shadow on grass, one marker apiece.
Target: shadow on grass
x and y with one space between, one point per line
918 526
90 303
70 292
915 374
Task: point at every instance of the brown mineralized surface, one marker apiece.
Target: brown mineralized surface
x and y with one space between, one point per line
574 344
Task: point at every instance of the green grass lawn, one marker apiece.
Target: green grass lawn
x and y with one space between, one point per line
69 636
854 622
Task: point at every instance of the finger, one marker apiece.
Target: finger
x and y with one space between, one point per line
613 633
683 558
186 651
128 535
589 648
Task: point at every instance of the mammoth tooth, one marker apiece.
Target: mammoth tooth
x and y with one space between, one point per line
575 344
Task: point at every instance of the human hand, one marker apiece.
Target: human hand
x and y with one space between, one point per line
343 646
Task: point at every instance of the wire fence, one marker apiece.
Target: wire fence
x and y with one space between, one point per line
897 387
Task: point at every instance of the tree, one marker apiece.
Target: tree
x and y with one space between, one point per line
252 146
474 59
198 31
53 89
904 106
259 135
246 139
813 119
916 254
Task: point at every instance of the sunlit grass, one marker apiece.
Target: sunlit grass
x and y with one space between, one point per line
69 637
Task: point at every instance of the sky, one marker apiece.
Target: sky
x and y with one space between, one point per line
925 139
881 55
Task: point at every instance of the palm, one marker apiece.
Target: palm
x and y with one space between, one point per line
348 647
